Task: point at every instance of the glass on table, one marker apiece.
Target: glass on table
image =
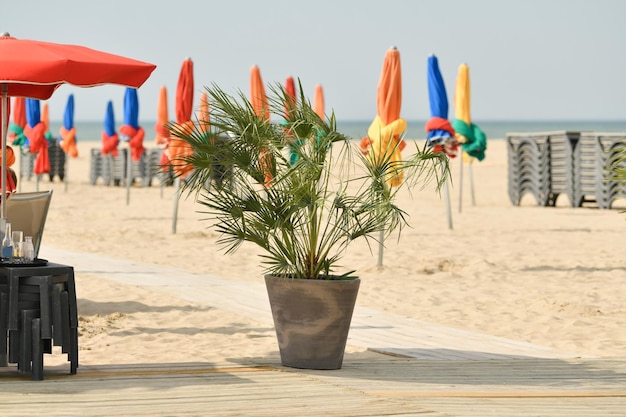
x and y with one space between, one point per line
18 245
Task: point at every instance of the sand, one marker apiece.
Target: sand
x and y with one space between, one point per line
547 275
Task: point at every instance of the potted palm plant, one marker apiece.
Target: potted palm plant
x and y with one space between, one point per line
303 211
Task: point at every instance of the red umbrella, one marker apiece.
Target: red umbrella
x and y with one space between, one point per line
179 149
30 68
261 107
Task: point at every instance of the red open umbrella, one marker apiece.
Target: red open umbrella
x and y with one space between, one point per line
31 68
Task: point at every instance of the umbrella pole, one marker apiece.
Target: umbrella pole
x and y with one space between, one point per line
471 179
380 247
447 191
65 179
176 197
128 176
5 105
37 183
461 184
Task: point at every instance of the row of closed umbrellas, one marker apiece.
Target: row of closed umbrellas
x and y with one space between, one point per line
29 72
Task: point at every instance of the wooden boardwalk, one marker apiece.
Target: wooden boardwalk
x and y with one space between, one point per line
429 370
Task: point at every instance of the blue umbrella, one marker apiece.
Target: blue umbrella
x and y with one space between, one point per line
68 116
109 120
33 112
131 108
440 131
133 133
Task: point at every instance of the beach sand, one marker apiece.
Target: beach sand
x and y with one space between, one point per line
547 275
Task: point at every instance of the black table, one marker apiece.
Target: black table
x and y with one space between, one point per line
37 309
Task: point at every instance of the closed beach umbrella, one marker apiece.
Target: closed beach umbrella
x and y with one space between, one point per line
35 132
473 140
35 69
258 100
162 132
17 125
318 101
440 133
179 149
68 130
290 105
204 121
132 133
45 119
130 129
110 139
68 139
383 142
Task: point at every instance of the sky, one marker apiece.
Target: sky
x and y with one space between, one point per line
528 59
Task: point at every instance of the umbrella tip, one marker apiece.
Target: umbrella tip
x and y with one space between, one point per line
394 47
5 34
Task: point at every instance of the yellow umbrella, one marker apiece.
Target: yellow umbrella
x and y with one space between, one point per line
473 140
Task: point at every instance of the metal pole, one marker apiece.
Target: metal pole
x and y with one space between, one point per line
471 178
380 247
5 105
176 197
128 175
447 191
461 183
66 161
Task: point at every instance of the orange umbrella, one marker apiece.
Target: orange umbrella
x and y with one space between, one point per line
160 127
203 113
290 89
318 101
383 141
179 149
258 100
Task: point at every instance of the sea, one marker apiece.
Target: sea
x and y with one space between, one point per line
91 131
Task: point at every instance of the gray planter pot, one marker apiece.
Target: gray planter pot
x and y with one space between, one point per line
312 319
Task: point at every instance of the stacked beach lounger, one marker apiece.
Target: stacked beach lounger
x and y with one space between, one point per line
548 164
27 163
113 169
594 156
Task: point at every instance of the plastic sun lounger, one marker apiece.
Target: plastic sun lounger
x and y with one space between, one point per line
28 212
